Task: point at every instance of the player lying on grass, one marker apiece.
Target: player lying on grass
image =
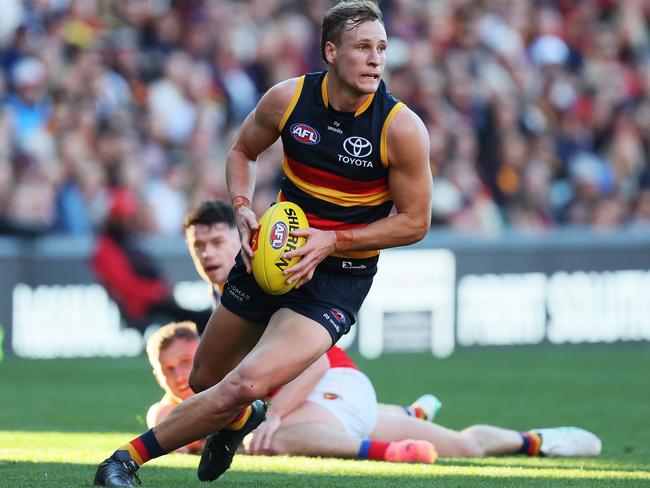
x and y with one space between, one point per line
171 352
331 410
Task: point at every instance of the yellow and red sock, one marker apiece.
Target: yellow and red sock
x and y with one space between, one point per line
241 418
370 449
143 448
416 411
532 443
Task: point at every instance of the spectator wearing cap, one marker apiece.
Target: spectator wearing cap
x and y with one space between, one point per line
27 105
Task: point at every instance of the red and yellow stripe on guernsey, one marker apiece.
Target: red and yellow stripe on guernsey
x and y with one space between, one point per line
326 224
333 188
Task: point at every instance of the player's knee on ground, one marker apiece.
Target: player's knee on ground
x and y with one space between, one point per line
298 440
282 441
469 446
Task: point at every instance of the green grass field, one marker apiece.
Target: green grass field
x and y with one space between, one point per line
59 418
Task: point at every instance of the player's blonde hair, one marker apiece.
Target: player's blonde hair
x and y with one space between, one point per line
166 335
346 15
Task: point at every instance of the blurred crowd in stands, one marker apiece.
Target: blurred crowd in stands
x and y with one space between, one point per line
538 111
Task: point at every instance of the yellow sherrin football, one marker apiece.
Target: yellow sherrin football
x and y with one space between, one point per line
271 241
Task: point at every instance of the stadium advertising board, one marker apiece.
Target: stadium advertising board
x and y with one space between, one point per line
423 299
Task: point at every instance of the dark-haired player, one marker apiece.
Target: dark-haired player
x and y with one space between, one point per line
212 239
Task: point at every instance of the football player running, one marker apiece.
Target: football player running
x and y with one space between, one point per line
347 181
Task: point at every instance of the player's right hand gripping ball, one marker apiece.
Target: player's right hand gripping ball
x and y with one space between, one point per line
271 241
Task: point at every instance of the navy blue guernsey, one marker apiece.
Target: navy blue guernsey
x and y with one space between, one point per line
335 164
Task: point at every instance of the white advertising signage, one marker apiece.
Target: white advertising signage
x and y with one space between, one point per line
578 307
407 281
82 321
417 303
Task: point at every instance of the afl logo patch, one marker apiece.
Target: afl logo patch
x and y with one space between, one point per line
330 396
305 134
278 235
357 147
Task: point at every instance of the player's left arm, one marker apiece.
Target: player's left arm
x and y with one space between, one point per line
409 180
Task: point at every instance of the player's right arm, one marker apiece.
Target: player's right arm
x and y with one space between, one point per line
409 181
260 129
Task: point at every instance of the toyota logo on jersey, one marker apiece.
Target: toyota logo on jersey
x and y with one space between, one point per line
278 235
357 147
305 134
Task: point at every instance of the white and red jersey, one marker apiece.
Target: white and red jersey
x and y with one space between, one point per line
339 358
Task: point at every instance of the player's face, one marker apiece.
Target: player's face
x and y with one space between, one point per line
360 58
175 366
213 249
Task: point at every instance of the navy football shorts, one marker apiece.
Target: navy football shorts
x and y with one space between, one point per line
332 298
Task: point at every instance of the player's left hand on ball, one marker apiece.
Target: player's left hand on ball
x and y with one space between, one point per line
263 436
246 225
319 245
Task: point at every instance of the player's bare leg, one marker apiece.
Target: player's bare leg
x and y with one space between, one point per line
224 343
311 430
426 407
290 343
474 441
274 361
396 426
557 441
494 441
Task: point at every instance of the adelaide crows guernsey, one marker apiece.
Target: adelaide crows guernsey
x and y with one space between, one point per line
335 164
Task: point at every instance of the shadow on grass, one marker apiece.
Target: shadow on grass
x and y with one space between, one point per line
588 464
51 475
